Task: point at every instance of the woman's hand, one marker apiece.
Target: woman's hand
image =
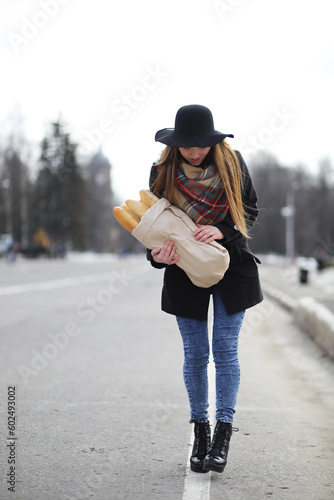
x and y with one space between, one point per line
166 254
207 233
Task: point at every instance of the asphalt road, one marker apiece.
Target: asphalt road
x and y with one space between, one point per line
101 411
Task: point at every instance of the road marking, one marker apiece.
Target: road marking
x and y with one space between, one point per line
75 281
197 485
53 284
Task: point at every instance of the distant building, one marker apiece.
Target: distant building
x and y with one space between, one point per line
100 218
104 234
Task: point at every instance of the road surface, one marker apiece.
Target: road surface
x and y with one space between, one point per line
101 411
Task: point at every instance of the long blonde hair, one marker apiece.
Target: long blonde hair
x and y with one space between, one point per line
228 166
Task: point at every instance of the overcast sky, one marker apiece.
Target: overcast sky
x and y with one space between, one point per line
117 71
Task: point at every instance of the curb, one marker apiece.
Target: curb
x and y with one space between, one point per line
314 318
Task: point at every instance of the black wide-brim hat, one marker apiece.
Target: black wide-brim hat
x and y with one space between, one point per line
193 128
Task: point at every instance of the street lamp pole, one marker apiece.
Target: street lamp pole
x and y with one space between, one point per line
288 212
7 188
290 225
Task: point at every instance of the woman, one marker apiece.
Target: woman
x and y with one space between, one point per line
200 173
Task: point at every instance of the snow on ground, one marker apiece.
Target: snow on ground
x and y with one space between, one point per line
99 257
325 280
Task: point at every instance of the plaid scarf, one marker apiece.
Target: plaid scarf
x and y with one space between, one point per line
200 193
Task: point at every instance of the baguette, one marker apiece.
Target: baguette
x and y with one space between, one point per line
129 211
137 207
148 198
125 218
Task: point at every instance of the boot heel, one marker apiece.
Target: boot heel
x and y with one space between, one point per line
198 468
209 464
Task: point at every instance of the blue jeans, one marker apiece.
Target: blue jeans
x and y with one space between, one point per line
225 336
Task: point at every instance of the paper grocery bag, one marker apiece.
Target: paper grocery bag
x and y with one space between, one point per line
204 263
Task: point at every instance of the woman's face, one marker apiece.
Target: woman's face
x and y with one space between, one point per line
194 156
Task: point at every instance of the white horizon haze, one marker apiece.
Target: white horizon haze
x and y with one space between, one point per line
118 72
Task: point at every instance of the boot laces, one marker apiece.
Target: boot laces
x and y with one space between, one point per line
203 436
222 437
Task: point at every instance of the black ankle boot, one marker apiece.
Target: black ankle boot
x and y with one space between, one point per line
216 458
201 446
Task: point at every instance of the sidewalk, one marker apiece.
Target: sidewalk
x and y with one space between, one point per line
285 277
312 303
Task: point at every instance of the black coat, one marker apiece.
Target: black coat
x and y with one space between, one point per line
240 287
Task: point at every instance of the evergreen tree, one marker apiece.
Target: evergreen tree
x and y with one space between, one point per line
59 198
